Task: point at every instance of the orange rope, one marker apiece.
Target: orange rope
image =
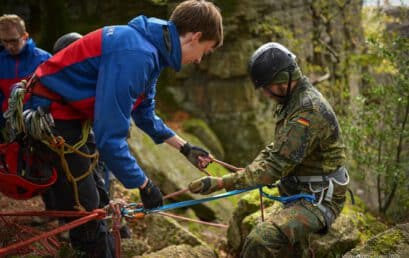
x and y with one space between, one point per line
193 220
176 193
226 165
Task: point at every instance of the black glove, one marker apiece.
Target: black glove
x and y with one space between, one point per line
151 196
192 153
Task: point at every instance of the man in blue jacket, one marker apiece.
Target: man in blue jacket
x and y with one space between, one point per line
19 56
107 77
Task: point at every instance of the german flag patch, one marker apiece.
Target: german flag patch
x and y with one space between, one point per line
303 121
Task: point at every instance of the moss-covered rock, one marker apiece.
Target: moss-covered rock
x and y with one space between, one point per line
171 171
160 231
393 242
132 247
201 130
183 251
156 235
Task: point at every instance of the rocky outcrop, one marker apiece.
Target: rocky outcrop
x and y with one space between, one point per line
392 243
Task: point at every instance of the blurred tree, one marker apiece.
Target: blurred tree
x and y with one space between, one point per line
377 133
54 22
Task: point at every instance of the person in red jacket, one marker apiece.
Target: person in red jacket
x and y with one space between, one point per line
19 56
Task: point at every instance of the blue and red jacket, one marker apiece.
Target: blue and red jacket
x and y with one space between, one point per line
16 68
109 76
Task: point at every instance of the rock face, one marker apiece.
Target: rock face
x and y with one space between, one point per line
219 90
321 33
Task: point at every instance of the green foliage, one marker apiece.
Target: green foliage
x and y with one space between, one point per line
377 128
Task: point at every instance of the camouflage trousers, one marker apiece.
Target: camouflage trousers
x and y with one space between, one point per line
283 231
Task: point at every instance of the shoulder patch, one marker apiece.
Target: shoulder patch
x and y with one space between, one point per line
306 102
303 121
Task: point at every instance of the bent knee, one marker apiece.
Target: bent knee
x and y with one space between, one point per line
265 240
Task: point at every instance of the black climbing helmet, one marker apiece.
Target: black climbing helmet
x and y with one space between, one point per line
268 61
65 40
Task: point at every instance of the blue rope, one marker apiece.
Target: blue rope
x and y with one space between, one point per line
291 198
186 203
283 199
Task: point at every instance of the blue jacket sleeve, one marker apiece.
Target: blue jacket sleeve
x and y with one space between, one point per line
122 77
147 120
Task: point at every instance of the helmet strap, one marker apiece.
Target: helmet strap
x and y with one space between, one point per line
287 96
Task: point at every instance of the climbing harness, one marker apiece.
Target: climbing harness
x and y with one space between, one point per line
61 148
38 124
325 183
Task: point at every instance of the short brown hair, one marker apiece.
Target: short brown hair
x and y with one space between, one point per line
199 16
8 21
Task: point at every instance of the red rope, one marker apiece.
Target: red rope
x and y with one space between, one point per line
226 165
47 213
96 214
116 224
50 244
176 193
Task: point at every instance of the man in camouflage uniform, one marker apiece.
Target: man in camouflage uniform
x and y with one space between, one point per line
307 156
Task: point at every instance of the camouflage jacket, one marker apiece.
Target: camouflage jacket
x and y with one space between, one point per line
307 142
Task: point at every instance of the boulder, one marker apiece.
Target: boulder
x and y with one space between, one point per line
183 251
393 242
159 236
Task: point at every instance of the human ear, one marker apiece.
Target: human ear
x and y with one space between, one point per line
197 36
25 35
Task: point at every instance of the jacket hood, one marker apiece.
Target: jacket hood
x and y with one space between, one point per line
164 36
